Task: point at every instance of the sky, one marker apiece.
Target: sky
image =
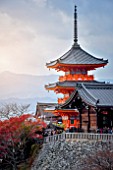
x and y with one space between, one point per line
35 32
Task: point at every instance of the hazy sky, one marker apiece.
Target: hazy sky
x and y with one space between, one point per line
33 32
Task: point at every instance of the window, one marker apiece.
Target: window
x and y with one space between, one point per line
72 121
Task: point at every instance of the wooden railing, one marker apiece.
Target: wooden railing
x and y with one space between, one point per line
79 137
76 77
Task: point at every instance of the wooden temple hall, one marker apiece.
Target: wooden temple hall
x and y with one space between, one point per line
87 104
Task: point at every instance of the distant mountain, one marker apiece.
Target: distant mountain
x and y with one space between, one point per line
28 89
31 101
23 88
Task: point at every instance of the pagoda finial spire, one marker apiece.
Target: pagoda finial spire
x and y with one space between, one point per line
75 27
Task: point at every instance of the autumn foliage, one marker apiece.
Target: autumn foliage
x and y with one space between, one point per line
16 138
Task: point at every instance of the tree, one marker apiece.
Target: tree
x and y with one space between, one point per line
15 134
9 110
100 159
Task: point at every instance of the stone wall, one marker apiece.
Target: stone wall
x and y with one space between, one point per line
66 155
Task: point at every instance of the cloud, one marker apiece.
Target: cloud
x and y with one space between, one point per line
41 3
15 41
95 32
33 32
13 31
25 47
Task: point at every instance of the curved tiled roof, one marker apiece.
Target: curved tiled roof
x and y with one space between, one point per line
62 84
71 83
77 56
93 93
42 106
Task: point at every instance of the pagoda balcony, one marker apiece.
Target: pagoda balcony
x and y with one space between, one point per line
62 100
76 77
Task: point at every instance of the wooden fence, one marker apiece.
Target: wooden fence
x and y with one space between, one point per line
78 137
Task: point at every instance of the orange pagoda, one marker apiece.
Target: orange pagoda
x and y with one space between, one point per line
75 63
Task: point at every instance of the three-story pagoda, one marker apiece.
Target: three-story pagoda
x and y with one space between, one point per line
76 64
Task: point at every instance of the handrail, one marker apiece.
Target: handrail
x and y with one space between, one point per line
78 136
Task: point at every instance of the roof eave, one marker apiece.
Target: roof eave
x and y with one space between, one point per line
104 106
87 66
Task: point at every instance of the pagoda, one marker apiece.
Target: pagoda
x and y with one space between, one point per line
75 63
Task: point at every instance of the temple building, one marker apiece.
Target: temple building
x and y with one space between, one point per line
86 104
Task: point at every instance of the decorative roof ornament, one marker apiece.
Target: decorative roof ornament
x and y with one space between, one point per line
75 26
75 29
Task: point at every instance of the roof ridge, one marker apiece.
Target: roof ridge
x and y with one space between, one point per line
61 58
91 96
101 85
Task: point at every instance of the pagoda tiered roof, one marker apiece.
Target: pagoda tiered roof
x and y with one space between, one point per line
65 84
77 57
69 84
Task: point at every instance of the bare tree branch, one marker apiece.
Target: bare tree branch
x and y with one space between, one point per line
8 110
